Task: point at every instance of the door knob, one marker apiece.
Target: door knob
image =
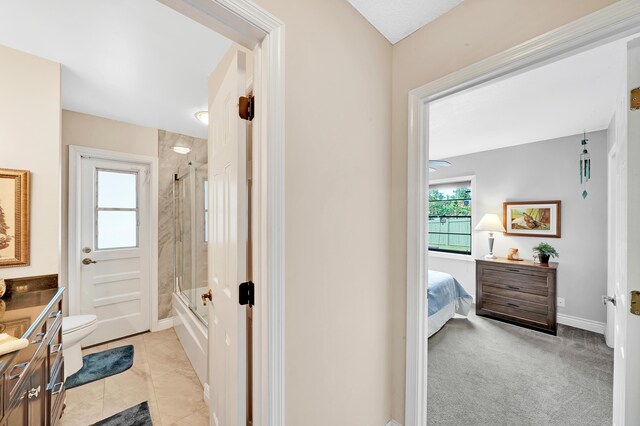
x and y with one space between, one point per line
610 299
87 261
207 295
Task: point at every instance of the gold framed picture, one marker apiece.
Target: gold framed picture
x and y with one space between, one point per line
532 218
14 217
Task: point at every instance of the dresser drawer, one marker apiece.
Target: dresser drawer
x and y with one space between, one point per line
525 294
515 314
537 308
521 278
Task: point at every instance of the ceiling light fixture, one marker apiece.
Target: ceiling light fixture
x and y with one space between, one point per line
437 163
202 116
181 149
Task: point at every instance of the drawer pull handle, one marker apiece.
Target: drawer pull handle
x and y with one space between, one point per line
57 388
513 304
34 392
22 366
55 314
513 288
56 348
513 270
39 338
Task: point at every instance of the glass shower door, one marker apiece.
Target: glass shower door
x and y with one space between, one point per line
191 237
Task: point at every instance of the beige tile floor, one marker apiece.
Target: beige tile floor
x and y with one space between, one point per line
161 374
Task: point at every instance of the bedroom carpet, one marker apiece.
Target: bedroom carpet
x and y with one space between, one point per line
486 372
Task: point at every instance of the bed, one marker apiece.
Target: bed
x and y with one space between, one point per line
446 297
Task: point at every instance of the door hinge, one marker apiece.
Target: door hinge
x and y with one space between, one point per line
634 99
635 302
246 294
246 107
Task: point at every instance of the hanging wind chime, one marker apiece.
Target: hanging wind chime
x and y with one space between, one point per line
585 166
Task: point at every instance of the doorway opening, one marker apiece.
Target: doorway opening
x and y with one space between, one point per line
535 333
259 34
543 50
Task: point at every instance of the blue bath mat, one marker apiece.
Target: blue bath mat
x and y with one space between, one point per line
135 416
102 364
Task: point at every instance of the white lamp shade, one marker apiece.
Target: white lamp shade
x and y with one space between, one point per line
490 222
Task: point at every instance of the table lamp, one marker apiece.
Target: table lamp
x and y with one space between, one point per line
490 222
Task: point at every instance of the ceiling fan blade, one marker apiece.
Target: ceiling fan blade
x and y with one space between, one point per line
431 170
440 163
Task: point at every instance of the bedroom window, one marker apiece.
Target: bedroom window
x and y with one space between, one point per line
450 217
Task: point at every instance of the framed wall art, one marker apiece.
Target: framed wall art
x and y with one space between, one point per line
14 217
532 218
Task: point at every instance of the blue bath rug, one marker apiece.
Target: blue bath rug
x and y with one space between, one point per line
102 364
137 415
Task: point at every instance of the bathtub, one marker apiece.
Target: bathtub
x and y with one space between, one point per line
193 336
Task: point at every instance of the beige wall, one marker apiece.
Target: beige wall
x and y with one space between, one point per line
338 99
30 140
97 132
473 31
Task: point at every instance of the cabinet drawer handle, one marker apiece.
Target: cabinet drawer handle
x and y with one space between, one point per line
56 348
34 392
55 314
513 304
57 388
513 270
22 366
39 338
513 287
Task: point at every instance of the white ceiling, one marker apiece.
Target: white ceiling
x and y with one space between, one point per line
133 61
396 19
559 99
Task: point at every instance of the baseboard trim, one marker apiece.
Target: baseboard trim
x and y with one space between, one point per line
581 323
164 324
393 423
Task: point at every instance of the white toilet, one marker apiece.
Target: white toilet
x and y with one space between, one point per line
74 329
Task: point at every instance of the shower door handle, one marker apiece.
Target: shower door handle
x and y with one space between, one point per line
207 295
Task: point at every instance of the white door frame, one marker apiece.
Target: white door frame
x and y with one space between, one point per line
613 22
74 244
254 28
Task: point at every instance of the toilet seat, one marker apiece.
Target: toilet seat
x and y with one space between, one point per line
77 322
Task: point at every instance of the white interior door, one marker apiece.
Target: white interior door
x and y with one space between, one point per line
228 249
627 325
115 249
613 181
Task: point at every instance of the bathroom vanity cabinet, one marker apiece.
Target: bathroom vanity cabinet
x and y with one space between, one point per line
32 382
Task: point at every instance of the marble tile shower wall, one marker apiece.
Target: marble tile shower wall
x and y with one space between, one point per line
171 163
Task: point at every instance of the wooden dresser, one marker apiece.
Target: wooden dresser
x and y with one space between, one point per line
518 292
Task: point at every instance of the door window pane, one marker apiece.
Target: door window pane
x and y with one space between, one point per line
116 218
117 229
117 189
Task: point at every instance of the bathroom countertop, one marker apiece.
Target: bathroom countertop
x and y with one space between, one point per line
25 300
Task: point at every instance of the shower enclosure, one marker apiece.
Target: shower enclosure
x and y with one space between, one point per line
191 237
190 208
